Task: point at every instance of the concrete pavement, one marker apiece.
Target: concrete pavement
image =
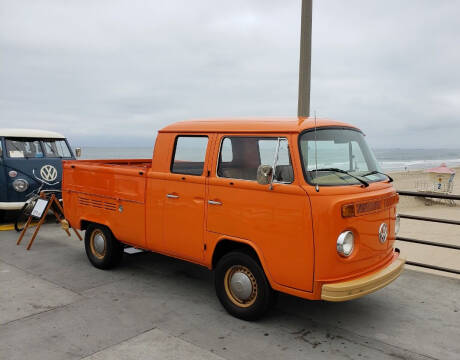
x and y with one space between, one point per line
55 305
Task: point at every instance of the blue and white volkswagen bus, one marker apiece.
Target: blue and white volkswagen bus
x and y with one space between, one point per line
29 159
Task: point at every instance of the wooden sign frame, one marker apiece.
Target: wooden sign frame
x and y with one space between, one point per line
64 223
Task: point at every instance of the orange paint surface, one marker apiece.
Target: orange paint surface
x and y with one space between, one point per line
292 228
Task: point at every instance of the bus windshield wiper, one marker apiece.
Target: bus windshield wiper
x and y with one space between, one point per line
364 182
390 179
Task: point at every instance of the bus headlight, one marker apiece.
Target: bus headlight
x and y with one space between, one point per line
345 243
397 224
20 185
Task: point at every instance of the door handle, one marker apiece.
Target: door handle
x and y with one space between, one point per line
212 202
172 196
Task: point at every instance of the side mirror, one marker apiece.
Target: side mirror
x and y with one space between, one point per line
264 174
78 152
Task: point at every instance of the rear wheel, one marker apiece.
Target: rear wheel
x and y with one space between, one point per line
102 249
242 287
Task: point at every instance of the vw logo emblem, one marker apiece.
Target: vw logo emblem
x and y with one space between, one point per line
48 173
383 232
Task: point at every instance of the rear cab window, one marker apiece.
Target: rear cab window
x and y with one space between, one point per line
189 155
240 157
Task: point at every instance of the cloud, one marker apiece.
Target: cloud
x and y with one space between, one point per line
114 72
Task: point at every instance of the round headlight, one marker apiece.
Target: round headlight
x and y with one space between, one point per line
20 185
13 174
397 224
345 243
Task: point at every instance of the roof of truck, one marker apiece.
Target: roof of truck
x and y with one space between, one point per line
263 124
32 133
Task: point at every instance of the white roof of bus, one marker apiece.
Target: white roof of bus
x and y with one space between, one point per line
33 133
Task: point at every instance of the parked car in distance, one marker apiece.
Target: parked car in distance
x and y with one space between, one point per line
29 159
271 205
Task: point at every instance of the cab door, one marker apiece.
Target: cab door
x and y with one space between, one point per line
277 222
185 196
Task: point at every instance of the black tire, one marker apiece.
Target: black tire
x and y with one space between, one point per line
261 295
23 216
112 252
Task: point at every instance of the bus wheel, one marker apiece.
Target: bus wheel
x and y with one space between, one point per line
102 249
242 287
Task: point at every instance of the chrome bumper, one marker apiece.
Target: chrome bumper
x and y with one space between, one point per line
11 205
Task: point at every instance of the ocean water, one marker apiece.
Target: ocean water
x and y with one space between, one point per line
389 159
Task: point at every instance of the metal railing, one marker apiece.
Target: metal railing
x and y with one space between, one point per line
430 219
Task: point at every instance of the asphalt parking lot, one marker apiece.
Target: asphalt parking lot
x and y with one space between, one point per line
55 305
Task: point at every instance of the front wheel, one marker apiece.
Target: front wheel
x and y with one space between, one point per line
242 287
23 216
102 249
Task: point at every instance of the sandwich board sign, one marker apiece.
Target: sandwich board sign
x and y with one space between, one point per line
40 210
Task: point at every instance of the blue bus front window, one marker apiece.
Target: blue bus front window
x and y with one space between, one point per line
56 149
23 148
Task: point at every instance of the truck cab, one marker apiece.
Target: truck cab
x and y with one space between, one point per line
28 160
291 205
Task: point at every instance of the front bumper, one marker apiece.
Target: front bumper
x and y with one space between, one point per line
11 205
356 288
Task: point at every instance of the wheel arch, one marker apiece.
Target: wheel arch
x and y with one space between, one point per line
84 224
226 245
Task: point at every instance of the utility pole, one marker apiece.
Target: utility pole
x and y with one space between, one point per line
305 59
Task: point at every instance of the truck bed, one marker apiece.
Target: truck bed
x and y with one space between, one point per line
110 192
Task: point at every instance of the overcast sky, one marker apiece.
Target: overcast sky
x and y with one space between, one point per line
114 72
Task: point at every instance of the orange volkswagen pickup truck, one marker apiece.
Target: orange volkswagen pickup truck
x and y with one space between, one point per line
288 205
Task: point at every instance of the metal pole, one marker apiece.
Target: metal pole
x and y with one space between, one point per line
305 59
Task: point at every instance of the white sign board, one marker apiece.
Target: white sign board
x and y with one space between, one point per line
39 208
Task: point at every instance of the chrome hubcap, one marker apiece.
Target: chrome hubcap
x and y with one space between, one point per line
99 243
241 286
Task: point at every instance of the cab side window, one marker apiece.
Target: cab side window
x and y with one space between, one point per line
189 155
241 156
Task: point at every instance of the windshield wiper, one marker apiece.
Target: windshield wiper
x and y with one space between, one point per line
364 182
390 179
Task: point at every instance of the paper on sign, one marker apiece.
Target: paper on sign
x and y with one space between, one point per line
39 208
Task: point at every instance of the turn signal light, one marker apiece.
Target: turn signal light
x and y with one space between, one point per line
348 210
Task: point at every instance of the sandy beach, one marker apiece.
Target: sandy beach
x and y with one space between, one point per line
423 230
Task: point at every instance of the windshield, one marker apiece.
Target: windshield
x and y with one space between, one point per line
36 148
56 148
336 153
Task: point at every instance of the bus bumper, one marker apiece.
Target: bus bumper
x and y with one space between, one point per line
356 288
11 205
